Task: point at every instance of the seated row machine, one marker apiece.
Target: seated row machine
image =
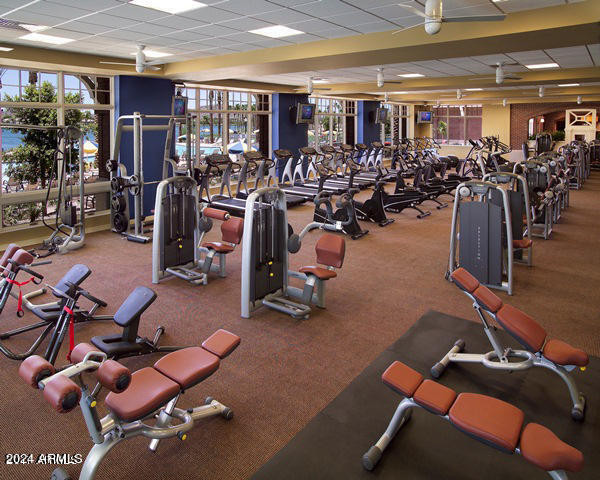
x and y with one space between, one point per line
487 419
149 394
180 224
540 351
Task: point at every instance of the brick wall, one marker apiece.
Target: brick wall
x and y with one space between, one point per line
520 113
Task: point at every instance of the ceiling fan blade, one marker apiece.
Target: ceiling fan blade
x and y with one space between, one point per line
407 28
152 67
508 76
322 89
118 63
414 10
475 18
394 82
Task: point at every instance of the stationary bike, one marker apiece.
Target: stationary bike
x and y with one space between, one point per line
372 209
346 208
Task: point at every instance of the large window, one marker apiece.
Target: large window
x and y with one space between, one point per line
396 126
228 121
456 124
27 158
335 122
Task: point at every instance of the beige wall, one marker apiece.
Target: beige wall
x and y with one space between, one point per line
496 121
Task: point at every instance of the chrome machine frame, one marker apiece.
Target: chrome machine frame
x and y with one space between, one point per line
75 236
134 184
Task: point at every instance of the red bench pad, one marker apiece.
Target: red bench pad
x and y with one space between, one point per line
521 326
562 353
464 280
488 419
487 299
545 450
148 391
320 273
189 366
402 379
434 397
221 343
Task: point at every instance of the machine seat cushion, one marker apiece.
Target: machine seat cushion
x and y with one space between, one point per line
402 378
488 420
148 391
219 247
434 397
521 326
487 299
320 273
48 313
545 450
221 343
76 275
562 353
114 345
134 305
331 250
522 243
20 257
188 366
81 350
464 280
232 230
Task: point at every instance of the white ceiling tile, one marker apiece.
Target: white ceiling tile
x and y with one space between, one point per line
249 7
211 15
109 20
357 17
595 53
284 16
134 12
178 22
245 24
379 26
214 30
35 18
92 5
151 29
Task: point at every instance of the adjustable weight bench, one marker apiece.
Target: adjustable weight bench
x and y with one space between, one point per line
487 419
540 351
150 393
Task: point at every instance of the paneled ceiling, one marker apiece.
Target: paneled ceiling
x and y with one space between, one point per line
114 27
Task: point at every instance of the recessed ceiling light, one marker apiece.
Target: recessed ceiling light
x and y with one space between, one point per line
320 80
473 89
411 75
33 28
568 84
542 65
40 37
153 54
397 93
6 49
169 6
276 31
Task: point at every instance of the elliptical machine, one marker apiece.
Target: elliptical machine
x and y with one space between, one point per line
346 207
371 210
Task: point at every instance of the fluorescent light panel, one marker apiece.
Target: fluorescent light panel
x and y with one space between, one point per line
276 31
169 6
411 75
40 37
6 49
320 80
33 28
153 54
568 84
473 89
542 65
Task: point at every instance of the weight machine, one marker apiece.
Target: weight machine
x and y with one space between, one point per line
123 185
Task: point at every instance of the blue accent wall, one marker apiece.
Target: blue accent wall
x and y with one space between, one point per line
368 130
149 96
286 133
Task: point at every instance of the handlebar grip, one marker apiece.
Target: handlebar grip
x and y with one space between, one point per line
25 269
91 298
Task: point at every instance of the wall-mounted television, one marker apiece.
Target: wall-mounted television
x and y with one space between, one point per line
179 105
381 115
305 113
425 116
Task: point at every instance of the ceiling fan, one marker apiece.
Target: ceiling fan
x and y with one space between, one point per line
434 18
310 85
501 75
380 79
141 65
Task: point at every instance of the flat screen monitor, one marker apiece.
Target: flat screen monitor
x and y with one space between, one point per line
179 105
305 113
425 116
381 115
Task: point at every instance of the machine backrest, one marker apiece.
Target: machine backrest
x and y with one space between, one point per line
8 253
75 276
129 313
21 257
232 230
331 250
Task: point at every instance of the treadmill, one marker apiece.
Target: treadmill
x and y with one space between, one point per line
265 174
220 163
358 181
292 179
